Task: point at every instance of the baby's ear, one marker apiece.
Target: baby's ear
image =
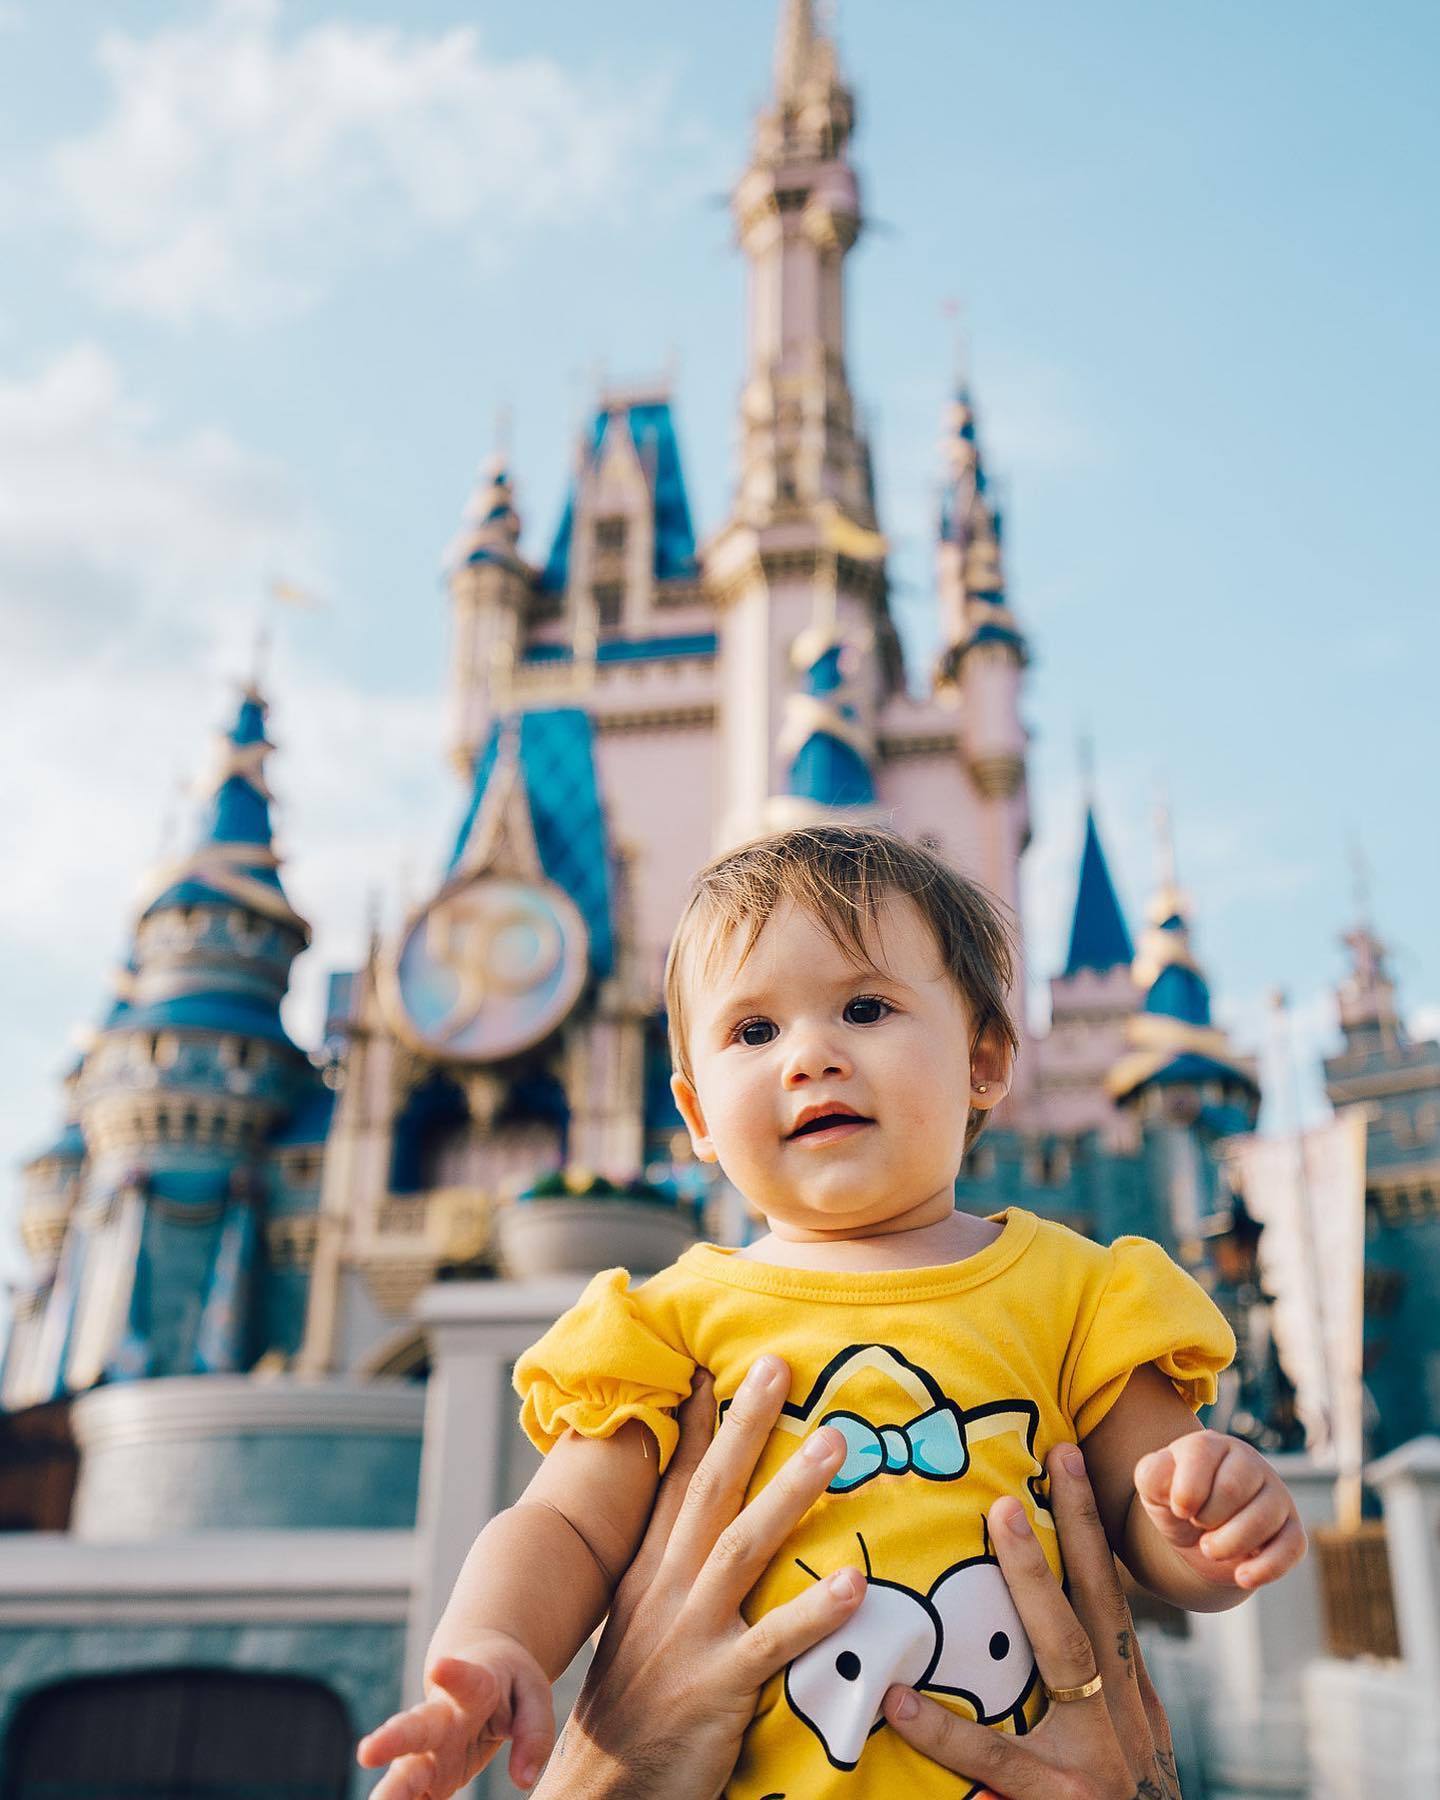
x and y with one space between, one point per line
990 1069
689 1103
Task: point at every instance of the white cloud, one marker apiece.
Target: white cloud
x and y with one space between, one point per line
108 526
130 563
240 168
1424 1023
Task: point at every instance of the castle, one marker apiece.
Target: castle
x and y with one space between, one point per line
221 1207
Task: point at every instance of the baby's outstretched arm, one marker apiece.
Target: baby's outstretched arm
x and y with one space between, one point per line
536 1583
1199 1518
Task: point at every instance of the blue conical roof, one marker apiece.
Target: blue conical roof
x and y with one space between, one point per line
233 860
651 430
1099 937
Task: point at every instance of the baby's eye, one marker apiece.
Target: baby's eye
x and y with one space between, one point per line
866 1009
742 1033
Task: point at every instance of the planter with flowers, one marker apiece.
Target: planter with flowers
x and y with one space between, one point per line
574 1223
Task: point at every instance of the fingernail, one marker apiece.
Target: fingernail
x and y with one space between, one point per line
905 1707
824 1445
1072 1460
762 1373
1017 1523
845 1584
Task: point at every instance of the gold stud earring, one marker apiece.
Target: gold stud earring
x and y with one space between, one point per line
982 1087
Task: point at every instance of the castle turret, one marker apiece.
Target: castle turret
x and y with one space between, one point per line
809 652
1180 1080
489 586
1090 1001
983 654
1177 1051
1397 1079
164 1153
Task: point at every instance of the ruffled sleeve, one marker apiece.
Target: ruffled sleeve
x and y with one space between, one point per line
1147 1311
600 1364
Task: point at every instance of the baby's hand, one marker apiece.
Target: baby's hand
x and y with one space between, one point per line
1223 1508
472 1705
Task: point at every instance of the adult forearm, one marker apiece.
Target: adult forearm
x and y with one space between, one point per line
644 1763
1166 1571
530 1576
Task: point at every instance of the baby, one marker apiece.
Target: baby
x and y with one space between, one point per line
840 1030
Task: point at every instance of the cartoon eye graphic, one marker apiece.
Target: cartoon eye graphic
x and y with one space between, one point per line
985 1656
963 1638
837 1686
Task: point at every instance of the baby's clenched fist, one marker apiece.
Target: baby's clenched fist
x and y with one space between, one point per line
471 1705
1219 1503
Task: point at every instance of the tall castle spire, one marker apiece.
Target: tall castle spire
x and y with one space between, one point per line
970 563
809 653
488 585
798 214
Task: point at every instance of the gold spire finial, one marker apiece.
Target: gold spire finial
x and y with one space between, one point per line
1360 871
794 46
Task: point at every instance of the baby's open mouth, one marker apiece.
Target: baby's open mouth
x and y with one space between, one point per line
827 1121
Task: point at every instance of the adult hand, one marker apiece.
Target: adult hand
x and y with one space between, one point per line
677 1665
1113 1745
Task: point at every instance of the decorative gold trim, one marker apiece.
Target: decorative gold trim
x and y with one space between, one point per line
396 1282
656 718
929 743
998 777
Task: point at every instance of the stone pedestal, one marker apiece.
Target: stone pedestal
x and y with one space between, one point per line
222 1452
1408 1481
476 1460
1252 1660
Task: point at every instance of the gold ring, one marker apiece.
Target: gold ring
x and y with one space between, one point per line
1083 1692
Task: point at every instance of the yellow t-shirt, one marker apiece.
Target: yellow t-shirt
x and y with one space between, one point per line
951 1385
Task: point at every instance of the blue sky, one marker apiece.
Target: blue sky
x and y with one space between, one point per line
271 270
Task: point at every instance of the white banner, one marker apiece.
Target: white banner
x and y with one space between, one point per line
1309 1195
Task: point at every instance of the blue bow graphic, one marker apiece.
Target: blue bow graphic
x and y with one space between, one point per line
932 1445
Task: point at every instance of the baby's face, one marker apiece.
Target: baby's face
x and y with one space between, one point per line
800 1029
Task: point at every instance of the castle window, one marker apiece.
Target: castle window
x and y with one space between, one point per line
609 604
610 536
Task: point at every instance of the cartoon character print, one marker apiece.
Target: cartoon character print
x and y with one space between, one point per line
962 1638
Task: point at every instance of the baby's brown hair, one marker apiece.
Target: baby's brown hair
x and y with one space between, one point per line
841 875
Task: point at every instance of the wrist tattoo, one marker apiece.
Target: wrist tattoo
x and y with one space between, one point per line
1147 1790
